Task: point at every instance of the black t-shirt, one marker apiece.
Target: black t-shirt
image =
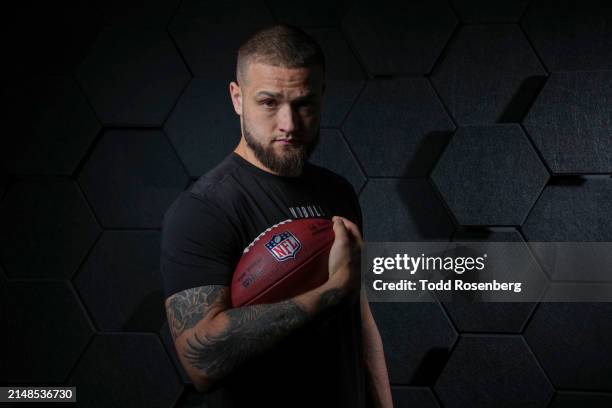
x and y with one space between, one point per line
204 233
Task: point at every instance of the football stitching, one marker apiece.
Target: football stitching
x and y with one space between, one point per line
264 233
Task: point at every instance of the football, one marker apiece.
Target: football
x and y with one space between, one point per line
285 260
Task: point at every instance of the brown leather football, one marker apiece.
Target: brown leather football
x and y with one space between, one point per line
286 260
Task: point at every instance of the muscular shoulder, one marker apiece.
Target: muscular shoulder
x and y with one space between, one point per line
200 210
218 184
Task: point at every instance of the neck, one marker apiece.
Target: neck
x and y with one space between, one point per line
247 154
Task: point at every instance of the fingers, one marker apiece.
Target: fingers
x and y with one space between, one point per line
340 230
348 223
352 228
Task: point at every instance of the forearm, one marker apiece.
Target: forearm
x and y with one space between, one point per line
379 380
216 347
379 386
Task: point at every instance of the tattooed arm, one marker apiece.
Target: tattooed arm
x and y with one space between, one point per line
213 339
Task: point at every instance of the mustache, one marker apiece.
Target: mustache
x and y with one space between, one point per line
288 138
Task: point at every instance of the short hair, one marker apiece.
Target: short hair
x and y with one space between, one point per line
280 45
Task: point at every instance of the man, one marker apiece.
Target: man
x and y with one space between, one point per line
311 350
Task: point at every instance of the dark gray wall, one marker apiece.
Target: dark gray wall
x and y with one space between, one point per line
458 119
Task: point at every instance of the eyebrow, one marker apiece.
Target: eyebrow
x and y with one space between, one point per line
269 94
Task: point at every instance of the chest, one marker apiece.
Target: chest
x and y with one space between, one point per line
262 205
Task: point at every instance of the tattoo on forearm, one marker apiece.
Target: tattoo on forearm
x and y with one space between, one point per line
187 308
251 330
330 298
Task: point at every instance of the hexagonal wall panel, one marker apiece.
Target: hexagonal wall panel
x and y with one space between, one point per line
571 122
333 153
579 332
132 177
126 370
344 77
393 38
48 125
489 74
123 266
209 34
312 13
398 127
403 210
44 330
483 11
569 399
572 34
504 317
499 317
490 175
132 77
486 371
339 96
47 229
421 397
203 125
417 338
578 211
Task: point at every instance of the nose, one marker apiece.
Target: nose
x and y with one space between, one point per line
287 119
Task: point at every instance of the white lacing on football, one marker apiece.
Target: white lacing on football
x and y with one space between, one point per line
263 233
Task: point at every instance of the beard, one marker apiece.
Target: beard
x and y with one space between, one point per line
290 163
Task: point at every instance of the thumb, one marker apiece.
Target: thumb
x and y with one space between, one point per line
340 231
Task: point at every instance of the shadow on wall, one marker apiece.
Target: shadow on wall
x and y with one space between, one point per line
522 100
570 181
430 366
430 221
428 213
427 154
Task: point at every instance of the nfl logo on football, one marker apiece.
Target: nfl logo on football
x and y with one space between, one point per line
283 246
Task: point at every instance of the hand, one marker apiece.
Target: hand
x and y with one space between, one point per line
345 256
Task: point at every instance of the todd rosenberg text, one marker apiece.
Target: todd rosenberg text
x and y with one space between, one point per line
446 285
436 264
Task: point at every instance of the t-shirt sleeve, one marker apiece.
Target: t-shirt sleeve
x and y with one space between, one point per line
198 245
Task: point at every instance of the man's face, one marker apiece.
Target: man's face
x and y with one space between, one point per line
280 115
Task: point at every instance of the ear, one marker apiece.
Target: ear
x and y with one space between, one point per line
236 95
